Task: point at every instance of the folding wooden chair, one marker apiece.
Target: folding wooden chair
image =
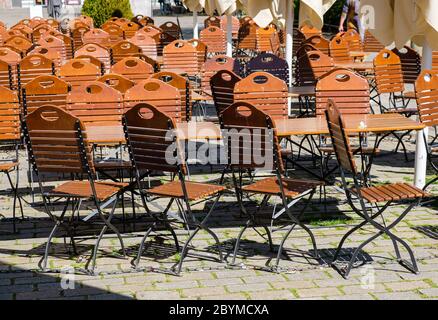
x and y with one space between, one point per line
24 30
410 63
96 36
171 28
20 43
117 81
311 66
12 58
68 42
265 92
212 21
247 39
181 57
51 129
76 72
270 63
97 51
235 25
267 40
76 34
129 28
147 44
214 39
32 66
40 31
339 50
373 201
309 31
164 40
354 40
143 20
57 44
10 136
133 68
50 53
5 75
44 90
426 88
147 130
123 49
214 65
222 88
318 42
251 143
158 93
183 86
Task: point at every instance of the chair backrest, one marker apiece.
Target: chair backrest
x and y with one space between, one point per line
117 81
54 144
77 33
214 39
44 90
97 51
426 88
76 72
95 102
371 44
339 50
250 138
353 39
265 92
215 64
12 58
25 31
247 39
142 20
9 115
270 63
32 66
92 60
38 32
162 95
222 88
183 86
435 60
212 21
68 42
164 40
388 72
311 66
57 44
298 39
129 28
410 63
50 53
115 33
301 51
180 57
152 140
123 49
171 28
346 88
235 25
20 43
147 44
268 39
5 74
97 36
339 137
309 31
319 43
133 68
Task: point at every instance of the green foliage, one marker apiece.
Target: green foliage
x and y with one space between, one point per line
331 17
102 10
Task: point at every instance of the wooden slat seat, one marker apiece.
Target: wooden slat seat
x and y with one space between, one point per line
82 189
195 190
8 166
392 192
292 187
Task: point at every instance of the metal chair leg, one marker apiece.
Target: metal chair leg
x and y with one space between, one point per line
236 245
141 247
43 262
185 250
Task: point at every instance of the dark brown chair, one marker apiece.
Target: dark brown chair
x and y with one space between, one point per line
172 29
147 133
410 63
251 143
222 89
57 143
318 42
373 201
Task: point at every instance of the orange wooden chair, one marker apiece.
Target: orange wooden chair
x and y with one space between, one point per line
117 81
235 25
247 39
76 72
77 33
339 50
142 20
20 43
435 61
32 66
133 68
50 53
5 75
57 44
212 66
147 133
162 95
10 136
24 30
318 42
214 39
96 36
124 49
12 58
212 21
410 63
93 61
267 40
129 28
40 31
115 33
373 200
311 66
97 51
68 42
258 130
181 57
309 31
147 44
354 40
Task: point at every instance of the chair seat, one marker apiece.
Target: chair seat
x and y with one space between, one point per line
8 166
82 189
113 165
392 192
367 150
411 110
292 188
195 190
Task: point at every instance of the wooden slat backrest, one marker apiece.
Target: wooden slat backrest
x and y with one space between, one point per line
97 36
129 28
77 71
55 24
68 42
340 140
171 28
215 64
115 33
133 68
152 139
24 30
143 20
49 53
265 92
388 72
309 31
9 115
117 82
212 21
92 60
270 63
214 38
312 66
353 39
54 141
183 86
44 90
12 58
235 25
20 43
426 88
410 63
77 33
435 60
319 43
162 95
97 51
32 66
339 50
85 20
53 42
267 39
247 39
249 137
180 56
201 51
371 44
147 44
346 88
95 102
222 88
123 49
5 75
164 40
6 34
38 32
